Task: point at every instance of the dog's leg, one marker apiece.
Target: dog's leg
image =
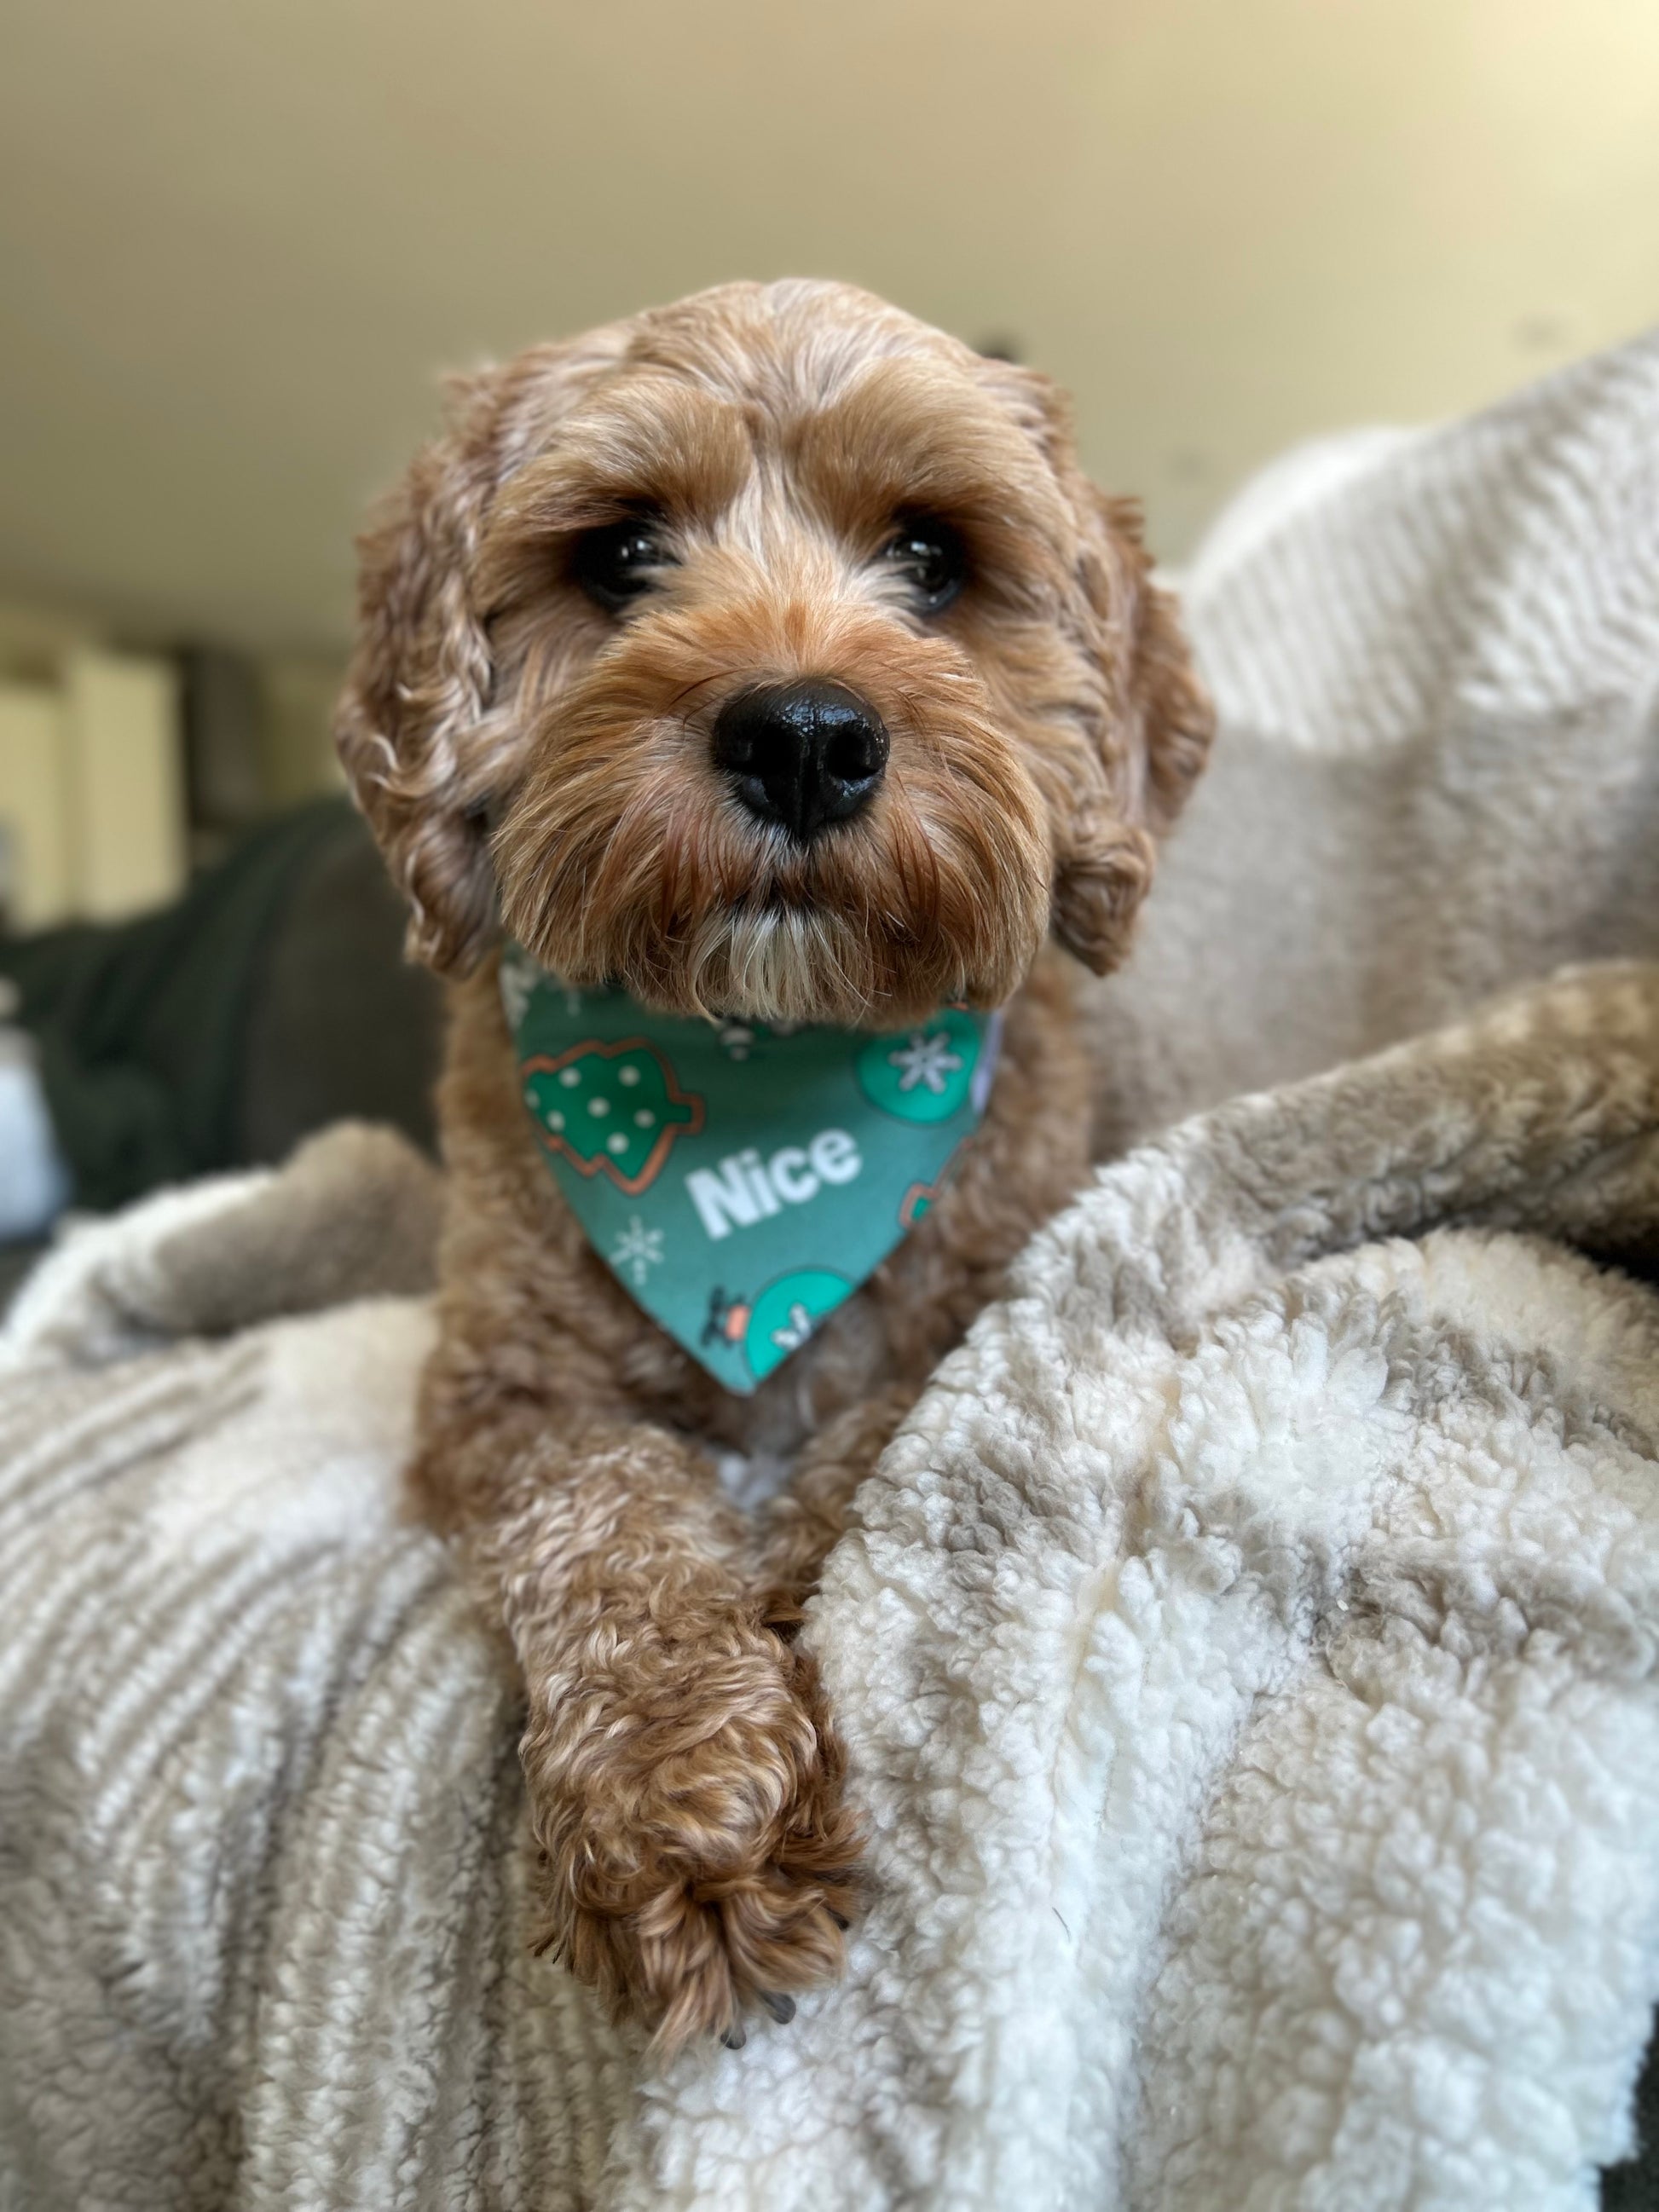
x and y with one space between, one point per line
684 1783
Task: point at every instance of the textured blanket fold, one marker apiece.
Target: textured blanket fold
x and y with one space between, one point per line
1435 657
1246 1657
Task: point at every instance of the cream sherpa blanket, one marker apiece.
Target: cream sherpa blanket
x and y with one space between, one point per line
1247 1659
1246 1655
1436 660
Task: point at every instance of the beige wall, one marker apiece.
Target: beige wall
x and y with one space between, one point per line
35 813
126 786
92 805
298 692
236 242
92 797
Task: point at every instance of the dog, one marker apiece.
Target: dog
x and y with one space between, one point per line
763 667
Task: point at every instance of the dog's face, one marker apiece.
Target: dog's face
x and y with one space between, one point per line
767 656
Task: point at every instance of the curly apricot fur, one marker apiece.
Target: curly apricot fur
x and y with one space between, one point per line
526 758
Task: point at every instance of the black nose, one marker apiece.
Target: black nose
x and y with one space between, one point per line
803 754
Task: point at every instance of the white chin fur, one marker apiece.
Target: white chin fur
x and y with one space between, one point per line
778 965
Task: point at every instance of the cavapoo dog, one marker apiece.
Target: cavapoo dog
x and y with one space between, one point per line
745 693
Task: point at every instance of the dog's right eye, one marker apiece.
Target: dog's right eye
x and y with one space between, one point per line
614 564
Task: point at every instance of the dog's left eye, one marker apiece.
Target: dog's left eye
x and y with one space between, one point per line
933 559
614 564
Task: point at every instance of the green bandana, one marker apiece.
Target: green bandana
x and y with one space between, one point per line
741 1180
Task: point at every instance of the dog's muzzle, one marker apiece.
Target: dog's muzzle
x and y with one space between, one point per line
801 755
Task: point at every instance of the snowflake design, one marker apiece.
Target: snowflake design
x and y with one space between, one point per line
926 1059
637 1251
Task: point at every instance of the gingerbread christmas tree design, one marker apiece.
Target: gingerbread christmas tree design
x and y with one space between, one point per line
610 1108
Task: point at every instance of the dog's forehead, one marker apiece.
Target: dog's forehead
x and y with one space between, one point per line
816 388
773 408
789 347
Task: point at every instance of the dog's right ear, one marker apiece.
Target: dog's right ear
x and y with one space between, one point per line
423 752
408 723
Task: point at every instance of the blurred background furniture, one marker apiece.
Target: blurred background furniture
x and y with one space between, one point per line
218 1030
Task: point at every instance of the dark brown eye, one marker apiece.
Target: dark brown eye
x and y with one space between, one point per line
931 557
616 563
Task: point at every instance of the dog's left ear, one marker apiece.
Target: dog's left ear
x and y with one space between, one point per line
1151 720
1153 739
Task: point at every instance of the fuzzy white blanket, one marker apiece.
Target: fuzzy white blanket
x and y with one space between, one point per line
1246 1658
1436 660
1246 1654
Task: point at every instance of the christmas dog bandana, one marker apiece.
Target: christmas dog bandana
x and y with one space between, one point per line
741 1180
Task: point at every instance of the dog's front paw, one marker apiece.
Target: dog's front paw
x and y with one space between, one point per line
687 1796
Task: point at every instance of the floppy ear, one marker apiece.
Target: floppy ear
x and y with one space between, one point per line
1153 738
419 685
423 752
1152 718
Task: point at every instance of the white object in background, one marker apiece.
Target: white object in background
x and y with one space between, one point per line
126 771
34 1180
34 805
